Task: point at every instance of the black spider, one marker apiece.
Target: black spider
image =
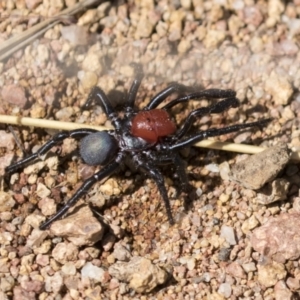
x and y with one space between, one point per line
149 137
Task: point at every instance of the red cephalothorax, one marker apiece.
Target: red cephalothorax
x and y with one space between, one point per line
152 124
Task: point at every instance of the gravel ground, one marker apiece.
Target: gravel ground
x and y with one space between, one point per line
228 242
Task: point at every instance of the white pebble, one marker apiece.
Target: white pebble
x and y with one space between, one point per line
92 272
199 192
42 190
65 113
225 289
212 168
69 268
227 233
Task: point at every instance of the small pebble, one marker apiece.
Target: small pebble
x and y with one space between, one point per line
260 168
76 35
225 289
6 202
14 95
142 275
270 273
276 191
68 269
80 228
92 272
224 254
64 114
228 234
64 252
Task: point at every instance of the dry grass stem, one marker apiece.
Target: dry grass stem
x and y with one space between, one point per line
50 124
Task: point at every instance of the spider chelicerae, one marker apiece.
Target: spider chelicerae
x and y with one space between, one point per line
148 136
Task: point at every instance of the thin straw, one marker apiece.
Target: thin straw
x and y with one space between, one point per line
58 125
50 124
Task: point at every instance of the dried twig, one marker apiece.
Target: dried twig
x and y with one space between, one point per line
50 124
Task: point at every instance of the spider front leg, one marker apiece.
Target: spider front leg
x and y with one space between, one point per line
199 136
210 94
101 99
106 171
161 96
134 87
56 139
212 109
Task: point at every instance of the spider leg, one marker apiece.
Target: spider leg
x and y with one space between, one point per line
209 94
172 158
197 137
156 175
134 87
181 172
57 138
101 99
212 109
104 172
161 96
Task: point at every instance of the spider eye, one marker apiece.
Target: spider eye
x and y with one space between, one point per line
98 148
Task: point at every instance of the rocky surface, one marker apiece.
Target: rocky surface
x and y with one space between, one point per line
224 244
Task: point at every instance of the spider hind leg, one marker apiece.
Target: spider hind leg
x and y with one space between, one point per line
56 139
157 176
106 171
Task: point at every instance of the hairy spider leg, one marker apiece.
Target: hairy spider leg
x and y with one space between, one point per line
217 108
101 99
104 172
156 175
197 137
161 96
56 139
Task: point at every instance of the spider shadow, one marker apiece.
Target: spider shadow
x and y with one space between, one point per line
187 196
138 182
197 161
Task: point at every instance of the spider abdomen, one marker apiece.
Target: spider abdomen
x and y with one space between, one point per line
98 148
152 124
